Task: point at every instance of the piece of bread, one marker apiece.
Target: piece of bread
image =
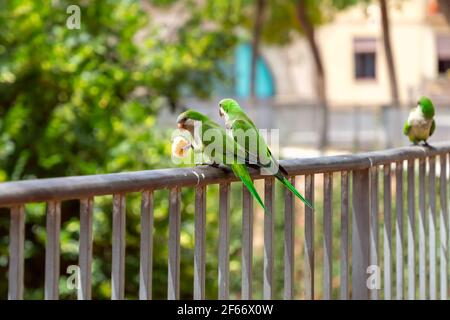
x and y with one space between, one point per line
180 146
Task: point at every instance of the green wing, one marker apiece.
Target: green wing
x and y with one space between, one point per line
406 128
231 152
288 185
253 135
433 127
230 157
245 125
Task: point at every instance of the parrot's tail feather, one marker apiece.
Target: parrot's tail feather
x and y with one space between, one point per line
283 170
247 181
293 190
251 187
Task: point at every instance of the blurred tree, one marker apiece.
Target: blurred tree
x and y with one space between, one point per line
444 8
258 25
285 18
185 60
306 22
385 24
75 102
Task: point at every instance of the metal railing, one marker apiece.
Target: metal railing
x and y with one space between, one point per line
363 169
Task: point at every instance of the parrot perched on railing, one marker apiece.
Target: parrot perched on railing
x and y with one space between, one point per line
240 125
420 124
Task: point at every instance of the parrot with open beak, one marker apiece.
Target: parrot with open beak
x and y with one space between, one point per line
228 156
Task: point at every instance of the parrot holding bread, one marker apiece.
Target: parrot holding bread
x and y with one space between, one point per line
227 151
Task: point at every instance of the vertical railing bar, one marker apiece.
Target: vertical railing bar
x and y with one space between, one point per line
200 240
360 234
422 232
411 230
16 258
399 229
289 223
374 224
327 242
443 228
146 250
344 235
173 285
448 213
432 226
387 232
85 249
269 197
118 248
247 244
309 238
224 241
52 250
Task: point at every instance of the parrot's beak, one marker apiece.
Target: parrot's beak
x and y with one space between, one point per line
221 113
181 121
186 124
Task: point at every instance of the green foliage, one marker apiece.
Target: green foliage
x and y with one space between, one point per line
75 102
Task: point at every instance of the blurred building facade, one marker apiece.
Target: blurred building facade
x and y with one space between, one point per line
356 73
355 63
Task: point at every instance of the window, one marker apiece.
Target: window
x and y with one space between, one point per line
365 58
443 52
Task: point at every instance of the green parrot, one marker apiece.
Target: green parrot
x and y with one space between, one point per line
222 155
420 124
241 126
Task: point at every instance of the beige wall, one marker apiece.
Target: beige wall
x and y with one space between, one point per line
414 46
293 70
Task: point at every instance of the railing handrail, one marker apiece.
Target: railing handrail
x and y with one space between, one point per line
79 187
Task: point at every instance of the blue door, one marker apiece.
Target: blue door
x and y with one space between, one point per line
264 81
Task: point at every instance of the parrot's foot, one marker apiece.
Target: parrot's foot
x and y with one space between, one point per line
214 165
426 145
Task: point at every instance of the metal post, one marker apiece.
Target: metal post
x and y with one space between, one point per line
360 234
